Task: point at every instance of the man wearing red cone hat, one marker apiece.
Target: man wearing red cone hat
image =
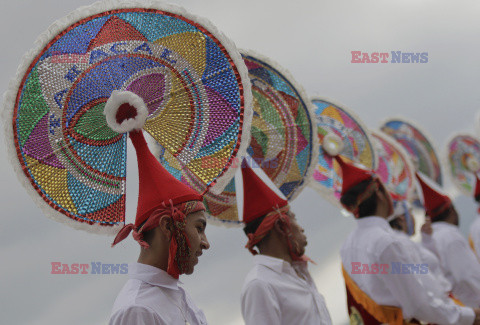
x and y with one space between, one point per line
375 293
279 289
474 237
169 227
458 261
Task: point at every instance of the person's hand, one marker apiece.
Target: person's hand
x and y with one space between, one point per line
477 316
427 226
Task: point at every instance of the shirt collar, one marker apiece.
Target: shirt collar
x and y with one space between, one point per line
152 275
276 264
373 221
443 224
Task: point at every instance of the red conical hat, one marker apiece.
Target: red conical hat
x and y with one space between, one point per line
156 185
127 112
434 200
476 195
258 198
352 175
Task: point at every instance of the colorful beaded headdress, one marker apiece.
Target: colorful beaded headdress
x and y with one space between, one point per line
395 168
339 132
417 144
463 162
192 79
283 140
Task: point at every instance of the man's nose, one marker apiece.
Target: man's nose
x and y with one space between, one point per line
205 243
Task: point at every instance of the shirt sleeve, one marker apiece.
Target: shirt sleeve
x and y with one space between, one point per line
429 243
138 315
414 294
260 305
465 269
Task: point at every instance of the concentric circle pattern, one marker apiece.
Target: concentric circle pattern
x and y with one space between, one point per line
463 158
338 122
394 167
282 138
420 149
185 74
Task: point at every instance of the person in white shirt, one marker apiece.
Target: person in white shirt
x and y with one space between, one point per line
380 269
403 223
170 229
279 289
458 261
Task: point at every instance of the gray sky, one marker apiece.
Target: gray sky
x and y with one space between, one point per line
312 39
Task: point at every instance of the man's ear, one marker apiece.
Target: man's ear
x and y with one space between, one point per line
166 226
279 226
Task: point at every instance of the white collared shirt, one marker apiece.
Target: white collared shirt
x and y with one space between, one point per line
475 235
373 242
459 262
152 297
429 258
273 293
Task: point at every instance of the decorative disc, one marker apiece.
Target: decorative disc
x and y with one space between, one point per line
339 131
283 142
415 142
463 161
394 168
190 76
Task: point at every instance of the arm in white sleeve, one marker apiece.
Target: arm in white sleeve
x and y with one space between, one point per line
138 315
429 243
260 305
414 293
465 269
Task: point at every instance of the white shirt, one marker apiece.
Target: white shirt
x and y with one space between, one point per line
273 294
429 258
459 262
374 242
152 297
475 235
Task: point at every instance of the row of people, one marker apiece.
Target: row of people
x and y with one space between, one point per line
170 228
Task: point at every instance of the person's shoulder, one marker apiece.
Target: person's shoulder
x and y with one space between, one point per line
134 314
254 286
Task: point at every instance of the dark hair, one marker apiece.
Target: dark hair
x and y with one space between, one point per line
148 236
395 224
252 226
368 206
443 216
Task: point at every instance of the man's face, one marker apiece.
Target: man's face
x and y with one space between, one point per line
195 230
298 239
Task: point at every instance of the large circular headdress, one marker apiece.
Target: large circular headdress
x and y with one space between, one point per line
395 168
191 77
340 132
463 161
417 144
283 141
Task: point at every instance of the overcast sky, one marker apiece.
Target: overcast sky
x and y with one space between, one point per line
311 38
